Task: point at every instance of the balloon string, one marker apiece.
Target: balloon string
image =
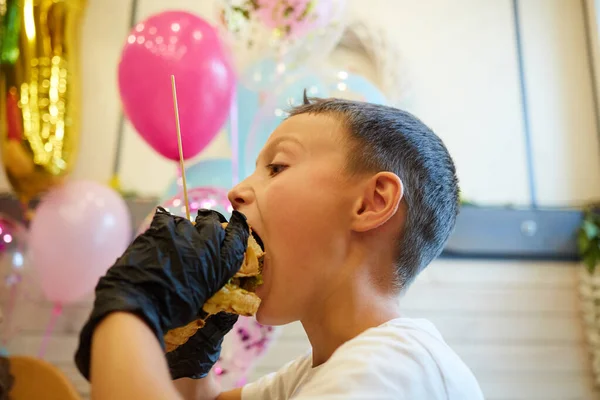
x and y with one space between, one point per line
56 312
235 144
115 181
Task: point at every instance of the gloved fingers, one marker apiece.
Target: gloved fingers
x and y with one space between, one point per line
170 230
235 243
194 364
205 216
224 321
161 218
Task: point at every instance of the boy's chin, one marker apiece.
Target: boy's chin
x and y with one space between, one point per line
270 317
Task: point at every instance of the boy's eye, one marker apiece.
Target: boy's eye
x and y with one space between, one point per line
275 169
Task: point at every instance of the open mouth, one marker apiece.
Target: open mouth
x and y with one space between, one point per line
258 240
261 258
251 279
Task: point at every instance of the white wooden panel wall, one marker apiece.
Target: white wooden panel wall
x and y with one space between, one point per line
516 324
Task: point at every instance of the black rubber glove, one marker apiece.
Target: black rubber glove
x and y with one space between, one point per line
168 273
195 358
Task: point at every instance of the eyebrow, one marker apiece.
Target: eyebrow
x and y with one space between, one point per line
277 142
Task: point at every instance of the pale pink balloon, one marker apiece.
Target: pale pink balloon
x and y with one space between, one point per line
184 45
78 231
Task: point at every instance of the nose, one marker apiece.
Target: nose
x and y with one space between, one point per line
241 195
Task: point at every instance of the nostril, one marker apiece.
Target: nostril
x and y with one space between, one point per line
239 196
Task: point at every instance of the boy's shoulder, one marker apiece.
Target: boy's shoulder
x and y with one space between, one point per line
402 359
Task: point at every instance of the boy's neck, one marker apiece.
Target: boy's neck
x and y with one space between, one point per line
350 309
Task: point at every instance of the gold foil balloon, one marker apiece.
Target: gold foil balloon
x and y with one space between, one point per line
39 91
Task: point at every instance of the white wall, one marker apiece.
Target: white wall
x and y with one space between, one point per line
464 77
516 324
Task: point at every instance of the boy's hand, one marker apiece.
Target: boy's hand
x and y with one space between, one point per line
168 273
195 358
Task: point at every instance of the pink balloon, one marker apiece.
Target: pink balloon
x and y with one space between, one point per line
180 44
78 231
213 198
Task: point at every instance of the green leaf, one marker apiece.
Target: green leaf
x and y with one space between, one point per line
583 243
590 262
592 257
590 229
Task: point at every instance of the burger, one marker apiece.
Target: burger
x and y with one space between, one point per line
236 297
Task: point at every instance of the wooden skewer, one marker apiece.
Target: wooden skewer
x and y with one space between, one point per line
181 162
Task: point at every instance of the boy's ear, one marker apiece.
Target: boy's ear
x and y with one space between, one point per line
379 201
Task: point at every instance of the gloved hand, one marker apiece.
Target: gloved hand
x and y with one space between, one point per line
196 357
167 274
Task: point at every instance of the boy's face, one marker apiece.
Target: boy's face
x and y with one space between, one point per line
299 200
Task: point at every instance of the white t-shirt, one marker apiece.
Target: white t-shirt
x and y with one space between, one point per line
403 359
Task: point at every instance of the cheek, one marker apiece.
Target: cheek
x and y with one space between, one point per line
300 221
303 205
303 222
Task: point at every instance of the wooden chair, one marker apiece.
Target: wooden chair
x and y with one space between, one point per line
37 379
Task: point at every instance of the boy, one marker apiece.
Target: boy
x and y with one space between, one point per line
351 201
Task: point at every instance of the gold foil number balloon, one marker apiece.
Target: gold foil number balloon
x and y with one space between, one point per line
39 91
